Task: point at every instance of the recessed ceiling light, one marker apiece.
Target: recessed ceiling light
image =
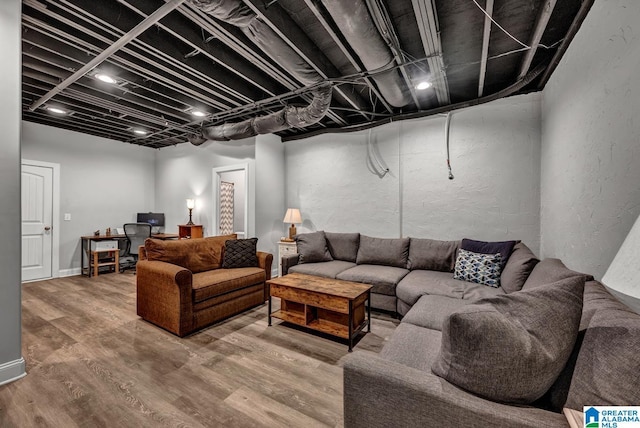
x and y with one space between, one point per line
105 78
56 110
423 85
198 113
140 132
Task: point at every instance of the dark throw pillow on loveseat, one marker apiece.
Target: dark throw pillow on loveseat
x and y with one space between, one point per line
511 348
239 253
312 247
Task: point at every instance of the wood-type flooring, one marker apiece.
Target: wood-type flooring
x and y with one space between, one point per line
92 362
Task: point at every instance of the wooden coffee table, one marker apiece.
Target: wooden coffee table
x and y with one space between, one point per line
328 305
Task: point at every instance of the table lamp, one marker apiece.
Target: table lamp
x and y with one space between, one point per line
191 204
293 217
623 275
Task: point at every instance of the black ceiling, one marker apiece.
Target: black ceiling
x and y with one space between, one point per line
191 60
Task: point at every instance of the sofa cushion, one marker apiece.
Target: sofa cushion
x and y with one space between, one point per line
421 282
312 247
327 269
220 281
518 268
550 270
412 346
197 255
503 247
479 268
431 254
431 311
383 251
240 253
473 291
384 279
512 348
343 246
604 367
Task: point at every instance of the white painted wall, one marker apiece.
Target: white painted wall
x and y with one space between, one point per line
590 187
103 183
495 151
11 363
185 171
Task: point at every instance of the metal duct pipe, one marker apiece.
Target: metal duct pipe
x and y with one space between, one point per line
237 13
354 20
288 117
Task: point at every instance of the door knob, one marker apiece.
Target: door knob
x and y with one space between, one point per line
47 228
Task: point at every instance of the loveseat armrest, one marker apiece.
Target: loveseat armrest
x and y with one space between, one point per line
265 260
383 393
289 261
163 292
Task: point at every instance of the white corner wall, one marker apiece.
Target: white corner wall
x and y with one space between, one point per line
103 183
590 186
12 364
270 194
495 154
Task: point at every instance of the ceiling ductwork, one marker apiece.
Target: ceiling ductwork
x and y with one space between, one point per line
352 16
288 117
354 20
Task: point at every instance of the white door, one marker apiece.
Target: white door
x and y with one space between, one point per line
37 216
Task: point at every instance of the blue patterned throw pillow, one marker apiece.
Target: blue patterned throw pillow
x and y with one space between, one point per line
479 268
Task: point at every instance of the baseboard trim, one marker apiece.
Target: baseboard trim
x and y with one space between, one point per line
13 370
69 272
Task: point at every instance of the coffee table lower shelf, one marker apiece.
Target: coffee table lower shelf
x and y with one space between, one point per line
316 304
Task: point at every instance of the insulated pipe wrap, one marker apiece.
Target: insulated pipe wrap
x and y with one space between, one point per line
354 20
286 118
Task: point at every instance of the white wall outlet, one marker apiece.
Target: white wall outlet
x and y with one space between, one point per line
67 216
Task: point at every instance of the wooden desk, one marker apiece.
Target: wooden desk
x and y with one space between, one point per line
85 247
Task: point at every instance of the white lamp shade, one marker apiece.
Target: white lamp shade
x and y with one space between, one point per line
623 274
191 203
292 216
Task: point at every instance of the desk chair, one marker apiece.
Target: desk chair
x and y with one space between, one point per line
136 234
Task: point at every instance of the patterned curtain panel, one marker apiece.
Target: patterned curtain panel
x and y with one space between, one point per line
226 208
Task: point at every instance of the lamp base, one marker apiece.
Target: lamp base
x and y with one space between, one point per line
292 231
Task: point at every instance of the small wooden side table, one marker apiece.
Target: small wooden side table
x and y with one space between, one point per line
186 231
284 249
98 260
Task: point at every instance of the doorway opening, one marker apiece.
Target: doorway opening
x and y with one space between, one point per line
231 200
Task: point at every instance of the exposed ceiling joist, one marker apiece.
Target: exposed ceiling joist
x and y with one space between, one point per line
541 24
486 35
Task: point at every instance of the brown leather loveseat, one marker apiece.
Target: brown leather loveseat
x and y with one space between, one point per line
182 286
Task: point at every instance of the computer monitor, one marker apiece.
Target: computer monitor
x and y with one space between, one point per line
154 219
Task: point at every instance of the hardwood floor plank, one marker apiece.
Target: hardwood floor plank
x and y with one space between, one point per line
92 362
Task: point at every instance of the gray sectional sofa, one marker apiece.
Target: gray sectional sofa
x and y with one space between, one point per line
469 355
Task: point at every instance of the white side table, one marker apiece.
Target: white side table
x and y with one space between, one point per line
284 249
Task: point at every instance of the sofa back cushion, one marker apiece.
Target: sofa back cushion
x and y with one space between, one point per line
518 268
197 255
431 254
312 247
383 251
343 246
550 270
511 348
604 367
